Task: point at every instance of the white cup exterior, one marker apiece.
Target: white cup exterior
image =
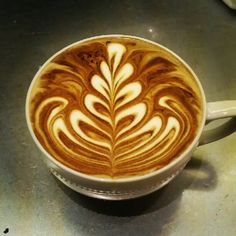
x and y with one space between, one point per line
124 188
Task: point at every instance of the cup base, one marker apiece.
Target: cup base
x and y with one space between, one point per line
115 194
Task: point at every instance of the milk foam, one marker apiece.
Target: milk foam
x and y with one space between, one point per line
115 121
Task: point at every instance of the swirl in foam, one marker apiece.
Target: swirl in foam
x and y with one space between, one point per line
115 107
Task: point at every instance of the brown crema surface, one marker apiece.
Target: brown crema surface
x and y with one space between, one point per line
115 107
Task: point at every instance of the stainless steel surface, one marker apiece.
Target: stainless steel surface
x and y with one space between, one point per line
200 201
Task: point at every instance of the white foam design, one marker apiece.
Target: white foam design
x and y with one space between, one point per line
129 92
117 106
90 100
76 117
154 126
137 112
115 51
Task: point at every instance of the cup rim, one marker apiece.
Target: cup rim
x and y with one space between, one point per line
170 165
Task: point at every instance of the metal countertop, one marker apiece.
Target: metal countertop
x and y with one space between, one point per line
200 201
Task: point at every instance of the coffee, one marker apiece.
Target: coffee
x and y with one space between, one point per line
115 107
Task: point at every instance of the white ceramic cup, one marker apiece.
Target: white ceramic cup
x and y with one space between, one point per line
131 187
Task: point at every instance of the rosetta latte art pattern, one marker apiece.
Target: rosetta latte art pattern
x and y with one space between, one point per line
114 110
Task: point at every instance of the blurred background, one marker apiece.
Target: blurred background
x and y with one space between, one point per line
200 201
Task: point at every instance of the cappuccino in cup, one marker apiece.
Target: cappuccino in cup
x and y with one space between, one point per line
115 107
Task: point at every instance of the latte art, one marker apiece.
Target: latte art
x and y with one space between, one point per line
115 107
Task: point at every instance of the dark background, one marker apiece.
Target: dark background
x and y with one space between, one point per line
201 201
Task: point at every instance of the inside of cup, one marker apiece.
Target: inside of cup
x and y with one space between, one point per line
114 107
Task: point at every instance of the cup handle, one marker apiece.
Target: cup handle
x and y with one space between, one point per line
215 111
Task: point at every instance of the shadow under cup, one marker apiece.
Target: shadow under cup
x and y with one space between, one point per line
113 73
